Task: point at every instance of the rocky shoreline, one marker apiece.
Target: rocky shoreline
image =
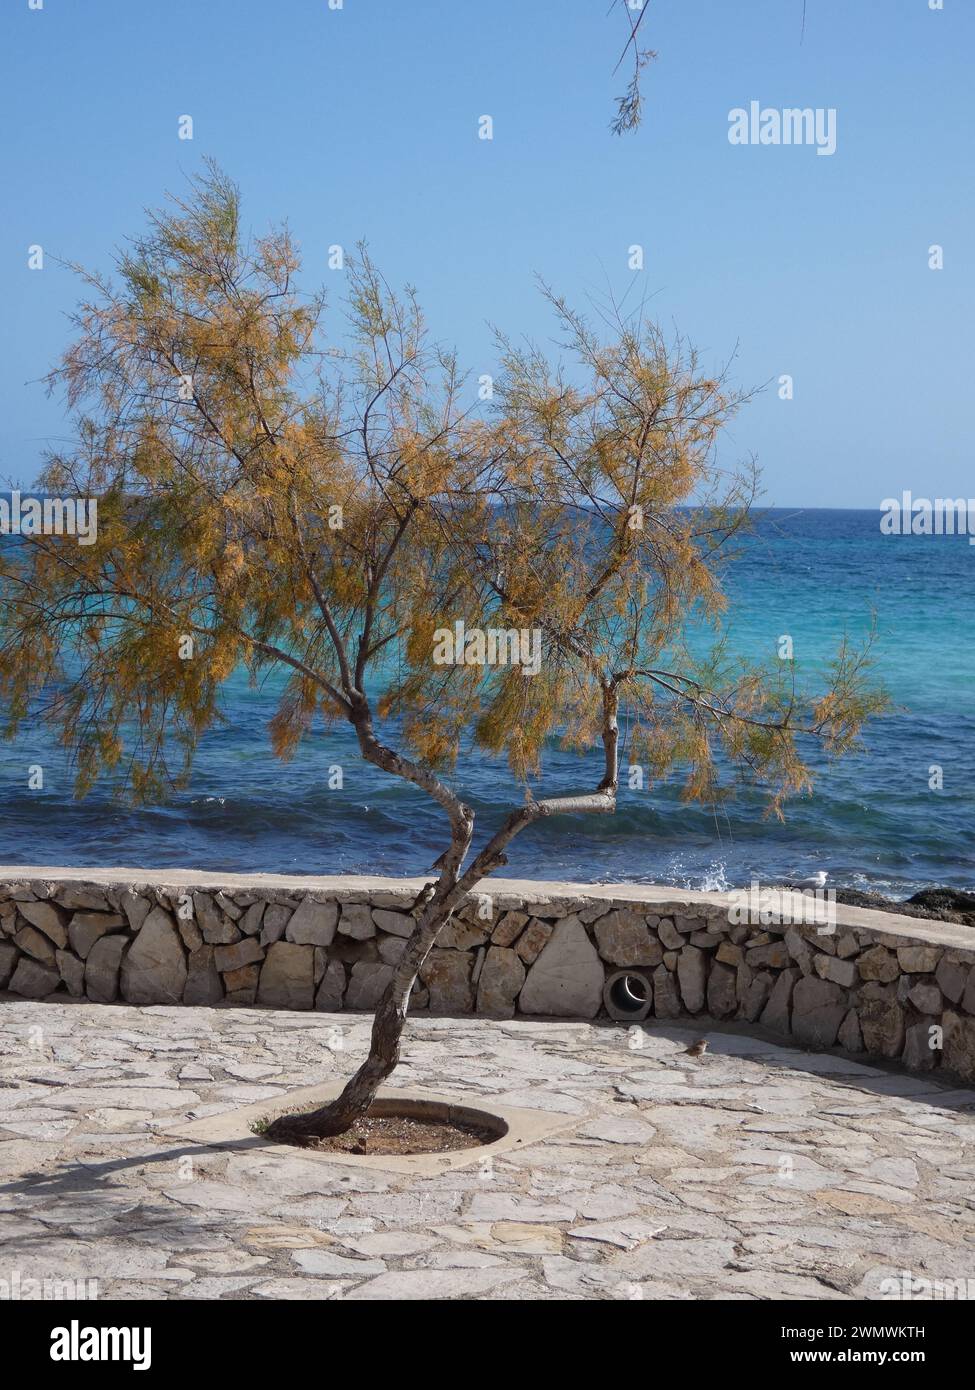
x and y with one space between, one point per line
936 904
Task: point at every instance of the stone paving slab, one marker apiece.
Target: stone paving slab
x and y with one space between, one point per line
758 1171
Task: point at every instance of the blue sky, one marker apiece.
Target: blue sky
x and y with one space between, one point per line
362 122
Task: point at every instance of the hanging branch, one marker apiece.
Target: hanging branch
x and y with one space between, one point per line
629 107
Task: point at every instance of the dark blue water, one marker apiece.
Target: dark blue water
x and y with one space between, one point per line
871 821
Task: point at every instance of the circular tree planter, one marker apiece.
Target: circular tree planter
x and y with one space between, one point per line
404 1126
504 1128
628 996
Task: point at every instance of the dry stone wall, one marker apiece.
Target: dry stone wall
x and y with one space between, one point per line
885 985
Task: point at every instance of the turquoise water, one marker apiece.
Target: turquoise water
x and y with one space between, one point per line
872 820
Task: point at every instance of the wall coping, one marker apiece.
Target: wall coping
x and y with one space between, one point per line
951 935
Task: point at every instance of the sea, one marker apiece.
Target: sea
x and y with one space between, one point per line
894 817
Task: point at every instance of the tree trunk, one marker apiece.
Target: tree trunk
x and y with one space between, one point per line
384 1049
450 890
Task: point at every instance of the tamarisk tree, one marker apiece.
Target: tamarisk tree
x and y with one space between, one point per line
335 510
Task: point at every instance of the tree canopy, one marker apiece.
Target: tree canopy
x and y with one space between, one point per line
268 498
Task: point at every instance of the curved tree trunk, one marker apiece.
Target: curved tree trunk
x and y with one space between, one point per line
440 901
384 1048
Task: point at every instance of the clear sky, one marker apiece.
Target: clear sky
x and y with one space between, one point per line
362 122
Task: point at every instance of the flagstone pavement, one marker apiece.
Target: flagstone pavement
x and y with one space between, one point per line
758 1171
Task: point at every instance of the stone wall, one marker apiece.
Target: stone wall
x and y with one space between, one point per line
887 985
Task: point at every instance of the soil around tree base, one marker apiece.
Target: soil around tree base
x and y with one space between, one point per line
397 1134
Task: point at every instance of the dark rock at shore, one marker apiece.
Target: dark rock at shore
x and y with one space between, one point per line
936 904
945 899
